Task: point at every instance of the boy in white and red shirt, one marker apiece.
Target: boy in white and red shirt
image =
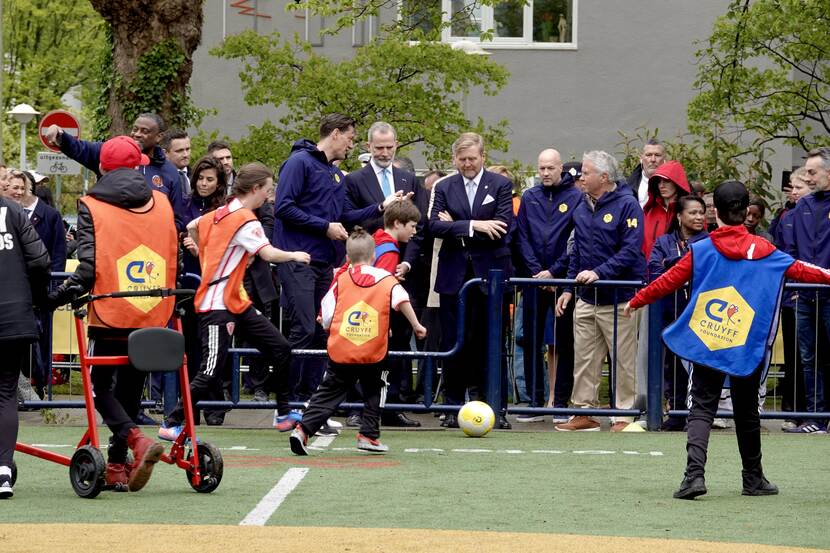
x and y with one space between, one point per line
356 311
224 240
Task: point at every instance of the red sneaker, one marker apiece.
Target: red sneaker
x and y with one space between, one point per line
117 476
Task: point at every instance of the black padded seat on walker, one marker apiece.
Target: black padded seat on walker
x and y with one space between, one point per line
156 349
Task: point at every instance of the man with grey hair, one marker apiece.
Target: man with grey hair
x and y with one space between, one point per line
810 243
472 212
368 191
608 239
652 156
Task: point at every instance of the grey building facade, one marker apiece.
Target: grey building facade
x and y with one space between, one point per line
581 70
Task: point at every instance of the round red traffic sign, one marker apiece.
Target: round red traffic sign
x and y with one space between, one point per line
64 120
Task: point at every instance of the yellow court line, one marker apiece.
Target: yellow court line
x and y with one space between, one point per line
106 538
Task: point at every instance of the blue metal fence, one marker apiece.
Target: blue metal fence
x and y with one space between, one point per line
496 287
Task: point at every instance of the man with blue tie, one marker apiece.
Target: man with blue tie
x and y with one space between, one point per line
472 212
368 191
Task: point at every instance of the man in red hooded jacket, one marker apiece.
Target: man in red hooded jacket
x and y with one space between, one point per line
665 186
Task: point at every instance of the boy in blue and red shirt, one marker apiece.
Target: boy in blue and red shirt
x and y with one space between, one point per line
727 328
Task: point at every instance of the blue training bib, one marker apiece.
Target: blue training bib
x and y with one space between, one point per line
732 315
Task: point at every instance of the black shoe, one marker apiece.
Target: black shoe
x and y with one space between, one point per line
690 488
765 487
353 421
143 419
399 420
503 423
451 421
673 424
215 421
326 430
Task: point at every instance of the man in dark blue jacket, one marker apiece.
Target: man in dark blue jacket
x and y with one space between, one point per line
810 242
308 206
147 131
608 239
49 226
543 226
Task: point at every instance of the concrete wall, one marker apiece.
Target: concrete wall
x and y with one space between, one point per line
634 66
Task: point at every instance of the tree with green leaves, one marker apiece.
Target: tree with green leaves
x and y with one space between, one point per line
763 76
49 50
404 76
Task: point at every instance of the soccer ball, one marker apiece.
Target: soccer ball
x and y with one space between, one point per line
476 419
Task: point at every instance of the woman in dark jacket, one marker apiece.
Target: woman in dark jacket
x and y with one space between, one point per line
688 227
210 189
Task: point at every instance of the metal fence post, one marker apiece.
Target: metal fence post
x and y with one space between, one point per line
495 300
654 399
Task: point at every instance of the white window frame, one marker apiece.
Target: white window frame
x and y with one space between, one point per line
511 43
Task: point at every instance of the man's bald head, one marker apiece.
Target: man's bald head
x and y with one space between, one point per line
550 167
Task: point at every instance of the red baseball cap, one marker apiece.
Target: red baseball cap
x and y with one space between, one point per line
121 152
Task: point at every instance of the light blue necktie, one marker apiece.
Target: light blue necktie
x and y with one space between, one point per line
384 183
471 192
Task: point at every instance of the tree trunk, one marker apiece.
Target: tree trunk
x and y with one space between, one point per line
137 26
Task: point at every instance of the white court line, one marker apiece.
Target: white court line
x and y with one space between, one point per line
291 479
322 442
273 499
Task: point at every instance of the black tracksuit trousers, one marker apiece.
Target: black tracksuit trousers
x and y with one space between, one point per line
217 329
705 394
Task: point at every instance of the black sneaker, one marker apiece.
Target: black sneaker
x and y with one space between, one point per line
765 487
6 490
690 488
327 430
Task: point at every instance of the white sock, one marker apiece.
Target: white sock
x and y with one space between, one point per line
6 471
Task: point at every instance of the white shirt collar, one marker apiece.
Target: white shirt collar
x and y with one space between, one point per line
234 205
32 207
476 179
378 169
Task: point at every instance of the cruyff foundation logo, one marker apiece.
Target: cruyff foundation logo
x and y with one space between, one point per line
360 323
722 318
141 269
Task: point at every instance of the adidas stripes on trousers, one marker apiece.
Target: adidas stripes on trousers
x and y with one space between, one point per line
217 330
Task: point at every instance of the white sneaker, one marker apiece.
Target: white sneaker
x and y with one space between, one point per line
331 423
530 418
6 490
722 423
560 419
788 425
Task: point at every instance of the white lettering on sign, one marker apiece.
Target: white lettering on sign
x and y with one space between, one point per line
3 211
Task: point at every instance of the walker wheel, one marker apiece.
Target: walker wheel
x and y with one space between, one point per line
14 472
86 472
211 467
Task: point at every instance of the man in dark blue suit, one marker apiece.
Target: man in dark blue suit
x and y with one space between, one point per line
48 224
472 212
368 191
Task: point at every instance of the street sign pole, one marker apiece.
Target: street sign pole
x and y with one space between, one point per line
58 192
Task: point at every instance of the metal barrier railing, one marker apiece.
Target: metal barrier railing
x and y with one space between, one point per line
496 287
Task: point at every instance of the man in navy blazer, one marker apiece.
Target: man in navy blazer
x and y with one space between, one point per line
368 191
48 224
472 212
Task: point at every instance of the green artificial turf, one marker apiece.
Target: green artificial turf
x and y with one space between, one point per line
579 483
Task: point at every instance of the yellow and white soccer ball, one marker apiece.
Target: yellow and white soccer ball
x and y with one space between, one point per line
476 419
